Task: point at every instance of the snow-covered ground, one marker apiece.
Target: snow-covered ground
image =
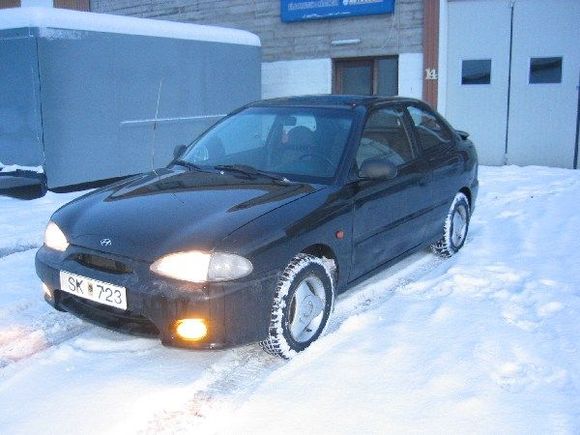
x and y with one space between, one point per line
487 341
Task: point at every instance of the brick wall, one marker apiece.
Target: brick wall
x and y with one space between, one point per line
400 32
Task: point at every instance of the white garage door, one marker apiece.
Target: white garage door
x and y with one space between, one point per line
542 40
544 80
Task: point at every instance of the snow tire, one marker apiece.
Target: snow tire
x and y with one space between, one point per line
453 236
303 268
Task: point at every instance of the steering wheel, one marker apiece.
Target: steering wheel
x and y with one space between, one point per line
319 157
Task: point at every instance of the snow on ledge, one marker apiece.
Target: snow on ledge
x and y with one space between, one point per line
73 20
13 168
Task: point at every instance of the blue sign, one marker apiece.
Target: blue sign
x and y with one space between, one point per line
302 10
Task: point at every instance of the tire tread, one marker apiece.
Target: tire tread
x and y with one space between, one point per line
443 247
276 344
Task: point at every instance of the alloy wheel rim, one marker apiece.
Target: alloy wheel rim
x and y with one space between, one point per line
307 309
459 225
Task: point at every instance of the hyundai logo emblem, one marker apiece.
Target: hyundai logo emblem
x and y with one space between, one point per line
106 242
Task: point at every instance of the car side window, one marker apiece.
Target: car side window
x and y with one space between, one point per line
384 136
431 131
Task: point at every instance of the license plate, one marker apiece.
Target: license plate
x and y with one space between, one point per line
94 290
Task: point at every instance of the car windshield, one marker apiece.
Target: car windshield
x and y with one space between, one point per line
297 143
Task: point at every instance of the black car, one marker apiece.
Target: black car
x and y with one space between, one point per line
253 229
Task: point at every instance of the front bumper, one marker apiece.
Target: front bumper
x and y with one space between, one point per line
236 312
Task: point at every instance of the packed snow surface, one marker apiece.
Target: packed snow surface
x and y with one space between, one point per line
54 18
485 342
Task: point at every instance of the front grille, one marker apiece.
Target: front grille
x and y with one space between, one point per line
108 317
102 264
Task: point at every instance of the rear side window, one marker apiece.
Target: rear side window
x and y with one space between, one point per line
384 136
432 133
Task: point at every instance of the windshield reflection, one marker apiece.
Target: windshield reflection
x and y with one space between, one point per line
304 144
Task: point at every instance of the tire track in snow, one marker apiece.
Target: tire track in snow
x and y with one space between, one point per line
224 385
230 381
35 327
20 343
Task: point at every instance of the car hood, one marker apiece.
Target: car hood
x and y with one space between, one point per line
170 210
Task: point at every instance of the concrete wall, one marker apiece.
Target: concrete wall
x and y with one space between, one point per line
396 33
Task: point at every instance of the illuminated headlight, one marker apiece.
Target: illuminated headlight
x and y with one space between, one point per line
198 266
54 238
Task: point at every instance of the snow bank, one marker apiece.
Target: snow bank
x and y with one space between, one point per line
73 20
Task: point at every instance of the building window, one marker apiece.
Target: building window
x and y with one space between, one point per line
5 4
546 70
367 76
476 72
77 5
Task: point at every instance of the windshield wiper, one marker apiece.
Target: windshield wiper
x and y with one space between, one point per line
251 171
189 165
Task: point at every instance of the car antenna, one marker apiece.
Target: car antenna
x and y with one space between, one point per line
155 136
155 128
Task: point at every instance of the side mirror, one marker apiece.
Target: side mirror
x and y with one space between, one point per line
178 151
378 168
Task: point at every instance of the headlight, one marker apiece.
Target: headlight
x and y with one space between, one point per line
198 266
54 238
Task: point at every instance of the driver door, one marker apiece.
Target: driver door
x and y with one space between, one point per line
389 214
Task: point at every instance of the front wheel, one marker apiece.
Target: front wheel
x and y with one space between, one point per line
302 305
454 228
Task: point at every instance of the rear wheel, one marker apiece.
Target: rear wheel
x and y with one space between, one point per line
302 306
455 227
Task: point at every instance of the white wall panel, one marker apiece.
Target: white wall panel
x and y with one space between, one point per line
296 77
411 75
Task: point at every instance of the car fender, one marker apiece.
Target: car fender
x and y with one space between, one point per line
273 239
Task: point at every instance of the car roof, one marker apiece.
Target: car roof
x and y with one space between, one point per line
345 101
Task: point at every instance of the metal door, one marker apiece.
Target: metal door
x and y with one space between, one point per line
523 114
479 31
543 107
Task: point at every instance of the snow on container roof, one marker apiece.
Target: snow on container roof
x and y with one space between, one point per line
66 19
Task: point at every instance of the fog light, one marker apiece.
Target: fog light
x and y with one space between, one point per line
191 329
47 291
